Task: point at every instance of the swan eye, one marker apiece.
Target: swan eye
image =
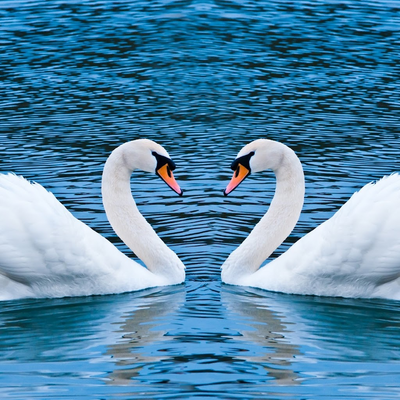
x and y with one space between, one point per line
162 160
244 160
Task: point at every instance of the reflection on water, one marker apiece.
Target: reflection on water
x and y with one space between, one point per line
348 338
367 329
199 338
202 78
265 328
144 332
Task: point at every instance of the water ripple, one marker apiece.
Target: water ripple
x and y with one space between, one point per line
202 78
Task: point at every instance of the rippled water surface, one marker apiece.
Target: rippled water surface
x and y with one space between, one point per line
202 78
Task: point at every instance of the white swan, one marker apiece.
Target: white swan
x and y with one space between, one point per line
46 252
356 253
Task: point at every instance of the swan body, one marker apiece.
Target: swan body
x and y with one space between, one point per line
46 252
356 253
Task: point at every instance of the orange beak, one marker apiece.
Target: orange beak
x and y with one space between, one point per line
167 176
238 176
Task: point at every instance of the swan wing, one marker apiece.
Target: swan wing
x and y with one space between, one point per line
356 253
42 245
363 237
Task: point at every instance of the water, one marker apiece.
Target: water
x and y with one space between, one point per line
203 78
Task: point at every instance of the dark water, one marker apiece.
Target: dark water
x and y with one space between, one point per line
202 78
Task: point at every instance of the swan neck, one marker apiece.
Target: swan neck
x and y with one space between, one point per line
130 225
275 226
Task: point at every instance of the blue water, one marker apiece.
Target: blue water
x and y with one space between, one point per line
202 78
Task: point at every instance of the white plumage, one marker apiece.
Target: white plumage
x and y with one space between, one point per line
46 252
356 253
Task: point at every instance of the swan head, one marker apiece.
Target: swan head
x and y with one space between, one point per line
259 155
149 156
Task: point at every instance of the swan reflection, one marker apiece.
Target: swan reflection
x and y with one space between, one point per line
266 328
53 330
138 334
294 328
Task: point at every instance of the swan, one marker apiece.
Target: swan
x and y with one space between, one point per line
46 252
355 253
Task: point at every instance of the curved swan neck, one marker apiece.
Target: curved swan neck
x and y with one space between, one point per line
276 224
129 224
